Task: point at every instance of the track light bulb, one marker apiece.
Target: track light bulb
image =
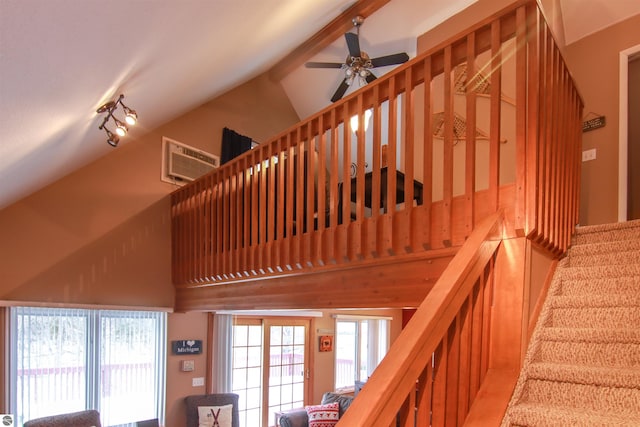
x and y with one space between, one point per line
131 117
121 128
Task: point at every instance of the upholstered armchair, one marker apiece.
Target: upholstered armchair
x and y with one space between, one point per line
89 418
220 399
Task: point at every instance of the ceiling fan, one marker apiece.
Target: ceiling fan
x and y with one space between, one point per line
358 65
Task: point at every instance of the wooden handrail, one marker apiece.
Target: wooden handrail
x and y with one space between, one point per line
416 364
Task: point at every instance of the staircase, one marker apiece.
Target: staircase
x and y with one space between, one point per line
583 364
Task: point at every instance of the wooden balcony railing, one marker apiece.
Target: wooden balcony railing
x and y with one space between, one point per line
487 120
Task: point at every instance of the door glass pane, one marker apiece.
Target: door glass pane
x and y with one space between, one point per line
345 353
247 372
287 370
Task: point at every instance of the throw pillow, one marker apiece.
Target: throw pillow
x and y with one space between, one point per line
323 415
215 416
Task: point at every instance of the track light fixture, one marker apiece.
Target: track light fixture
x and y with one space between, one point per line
121 129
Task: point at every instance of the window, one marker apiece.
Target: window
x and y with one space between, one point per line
361 343
66 360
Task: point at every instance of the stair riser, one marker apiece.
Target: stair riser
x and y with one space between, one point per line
612 355
601 271
602 317
582 396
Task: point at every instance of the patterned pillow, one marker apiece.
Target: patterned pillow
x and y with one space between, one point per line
323 415
215 416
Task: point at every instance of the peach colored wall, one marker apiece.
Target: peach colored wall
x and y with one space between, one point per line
102 235
184 326
594 63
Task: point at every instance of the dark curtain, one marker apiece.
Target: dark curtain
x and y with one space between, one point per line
233 144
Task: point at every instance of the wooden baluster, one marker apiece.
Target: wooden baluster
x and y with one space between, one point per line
310 177
405 229
470 148
453 371
477 322
247 226
554 153
318 257
427 160
290 191
548 164
334 195
465 357
447 174
271 211
487 299
280 203
346 182
534 86
495 111
521 121
424 396
390 204
299 179
438 416
359 233
375 237
233 218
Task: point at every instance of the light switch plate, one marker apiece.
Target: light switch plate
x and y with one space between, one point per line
589 155
187 365
197 382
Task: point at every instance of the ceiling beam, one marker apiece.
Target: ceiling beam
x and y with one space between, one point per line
323 38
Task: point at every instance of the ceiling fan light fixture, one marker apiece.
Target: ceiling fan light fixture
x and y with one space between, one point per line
121 129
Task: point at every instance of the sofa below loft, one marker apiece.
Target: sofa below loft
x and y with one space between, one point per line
300 417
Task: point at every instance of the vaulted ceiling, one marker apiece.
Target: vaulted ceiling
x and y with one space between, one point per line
60 60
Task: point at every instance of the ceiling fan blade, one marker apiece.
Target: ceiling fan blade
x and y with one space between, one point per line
353 44
323 65
370 77
341 91
397 58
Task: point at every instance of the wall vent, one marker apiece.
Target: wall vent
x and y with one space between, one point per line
182 163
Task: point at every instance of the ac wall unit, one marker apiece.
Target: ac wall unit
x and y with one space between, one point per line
182 163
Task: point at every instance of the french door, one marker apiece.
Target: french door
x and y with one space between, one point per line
270 367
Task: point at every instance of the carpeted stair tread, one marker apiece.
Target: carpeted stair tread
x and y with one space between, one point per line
628 335
606 233
604 286
586 375
604 317
540 415
589 272
622 256
604 247
591 301
612 354
588 396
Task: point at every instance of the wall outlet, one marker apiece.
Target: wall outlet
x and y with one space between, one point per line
197 382
589 155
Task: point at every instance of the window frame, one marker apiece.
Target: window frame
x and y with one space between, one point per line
92 324
376 350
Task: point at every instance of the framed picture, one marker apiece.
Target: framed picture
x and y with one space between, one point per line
326 343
